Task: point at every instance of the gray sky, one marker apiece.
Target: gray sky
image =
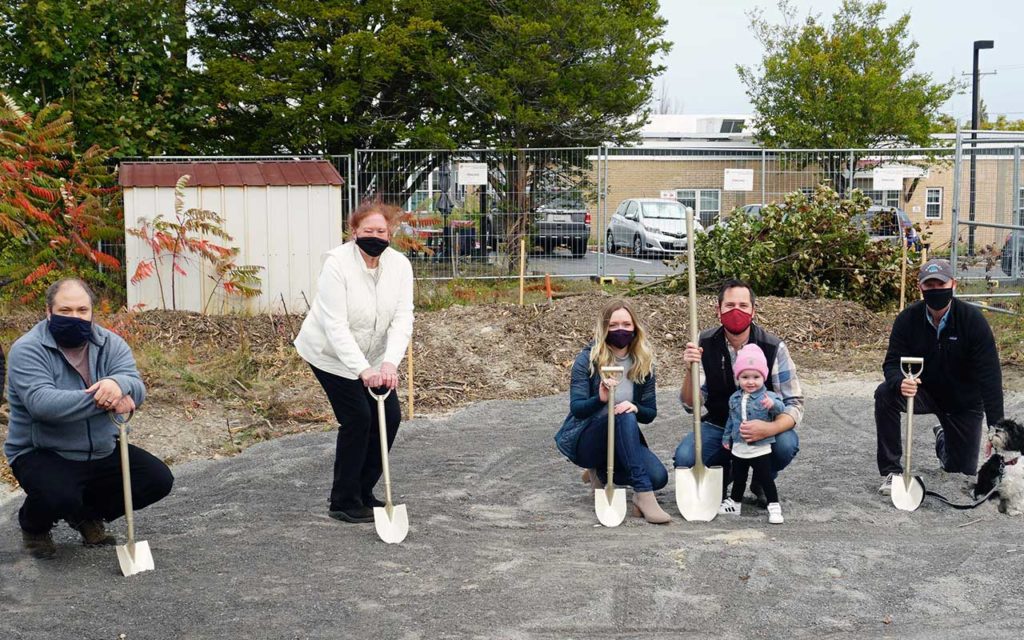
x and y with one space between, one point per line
711 38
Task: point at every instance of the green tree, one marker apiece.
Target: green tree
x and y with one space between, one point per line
847 84
305 76
120 68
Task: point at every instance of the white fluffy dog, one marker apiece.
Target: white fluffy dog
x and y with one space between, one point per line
1005 467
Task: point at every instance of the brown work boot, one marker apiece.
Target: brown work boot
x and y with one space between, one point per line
94 534
40 545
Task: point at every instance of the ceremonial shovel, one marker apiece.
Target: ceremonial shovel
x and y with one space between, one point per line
610 503
907 490
134 557
698 489
391 520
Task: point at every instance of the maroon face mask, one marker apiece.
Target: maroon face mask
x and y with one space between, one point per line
736 321
619 338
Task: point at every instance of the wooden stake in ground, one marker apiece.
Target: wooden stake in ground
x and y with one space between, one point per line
903 277
547 288
412 401
522 269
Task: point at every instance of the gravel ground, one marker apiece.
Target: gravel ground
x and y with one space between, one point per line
504 544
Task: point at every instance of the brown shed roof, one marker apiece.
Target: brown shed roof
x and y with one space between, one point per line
230 174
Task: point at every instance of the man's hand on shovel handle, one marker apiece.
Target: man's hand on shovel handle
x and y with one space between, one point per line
909 387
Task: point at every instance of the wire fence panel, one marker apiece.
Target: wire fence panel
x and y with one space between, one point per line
584 212
989 203
487 213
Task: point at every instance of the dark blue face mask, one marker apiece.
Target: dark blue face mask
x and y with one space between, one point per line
69 331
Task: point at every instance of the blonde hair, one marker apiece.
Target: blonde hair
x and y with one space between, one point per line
601 354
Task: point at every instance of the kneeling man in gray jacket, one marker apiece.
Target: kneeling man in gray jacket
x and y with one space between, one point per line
63 378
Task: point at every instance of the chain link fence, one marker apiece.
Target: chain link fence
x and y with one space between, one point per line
485 213
988 206
588 212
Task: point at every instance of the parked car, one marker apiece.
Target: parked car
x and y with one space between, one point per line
649 225
752 211
1006 252
883 223
563 221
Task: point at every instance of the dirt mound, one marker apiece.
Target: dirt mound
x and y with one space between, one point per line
219 383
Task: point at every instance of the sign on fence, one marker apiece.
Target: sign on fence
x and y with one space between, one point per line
739 180
887 179
473 173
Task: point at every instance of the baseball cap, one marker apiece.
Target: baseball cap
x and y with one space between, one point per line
936 268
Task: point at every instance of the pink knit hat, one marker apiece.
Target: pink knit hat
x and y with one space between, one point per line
750 357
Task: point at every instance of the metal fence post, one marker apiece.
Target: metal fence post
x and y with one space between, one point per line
764 174
957 170
1015 207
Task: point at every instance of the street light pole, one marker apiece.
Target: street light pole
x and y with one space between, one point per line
975 114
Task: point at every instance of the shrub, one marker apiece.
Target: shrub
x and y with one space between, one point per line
805 247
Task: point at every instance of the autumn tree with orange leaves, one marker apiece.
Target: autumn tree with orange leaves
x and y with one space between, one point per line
57 206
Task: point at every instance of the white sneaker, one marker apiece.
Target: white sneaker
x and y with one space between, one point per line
729 507
775 513
886 488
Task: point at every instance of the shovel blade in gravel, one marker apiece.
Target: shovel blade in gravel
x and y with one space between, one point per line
907 495
391 527
134 558
610 512
699 493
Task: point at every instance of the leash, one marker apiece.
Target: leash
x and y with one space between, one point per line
979 501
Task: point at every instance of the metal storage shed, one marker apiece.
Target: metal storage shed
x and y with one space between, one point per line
282 216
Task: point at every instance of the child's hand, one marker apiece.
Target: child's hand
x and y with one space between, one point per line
767 403
727 446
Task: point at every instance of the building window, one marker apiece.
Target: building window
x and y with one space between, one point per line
933 205
732 126
883 198
706 203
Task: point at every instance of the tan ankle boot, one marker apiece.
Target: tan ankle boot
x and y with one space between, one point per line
590 476
648 505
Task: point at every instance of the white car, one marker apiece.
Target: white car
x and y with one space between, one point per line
649 225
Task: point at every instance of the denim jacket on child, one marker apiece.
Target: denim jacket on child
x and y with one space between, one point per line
754 412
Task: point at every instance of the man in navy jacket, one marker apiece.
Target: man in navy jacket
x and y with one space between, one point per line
961 382
64 376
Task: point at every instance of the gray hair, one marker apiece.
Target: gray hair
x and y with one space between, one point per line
54 289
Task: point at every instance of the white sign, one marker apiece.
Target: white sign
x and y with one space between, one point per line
887 179
739 180
472 173
668 195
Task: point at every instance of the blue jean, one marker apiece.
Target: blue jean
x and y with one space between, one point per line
635 464
784 449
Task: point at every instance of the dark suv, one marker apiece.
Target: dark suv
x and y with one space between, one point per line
563 221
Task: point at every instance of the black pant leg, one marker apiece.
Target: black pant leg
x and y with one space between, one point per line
349 401
889 409
959 442
740 467
762 471
104 491
372 468
55 487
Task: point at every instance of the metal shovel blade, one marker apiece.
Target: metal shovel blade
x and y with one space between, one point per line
907 493
134 558
699 493
391 528
610 512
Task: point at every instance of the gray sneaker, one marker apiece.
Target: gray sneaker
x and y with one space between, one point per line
886 488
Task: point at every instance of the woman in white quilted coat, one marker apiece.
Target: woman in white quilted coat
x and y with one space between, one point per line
354 337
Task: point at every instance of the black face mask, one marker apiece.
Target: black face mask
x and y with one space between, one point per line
937 299
68 331
619 338
372 246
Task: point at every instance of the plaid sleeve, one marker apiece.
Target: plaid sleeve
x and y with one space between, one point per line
787 384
